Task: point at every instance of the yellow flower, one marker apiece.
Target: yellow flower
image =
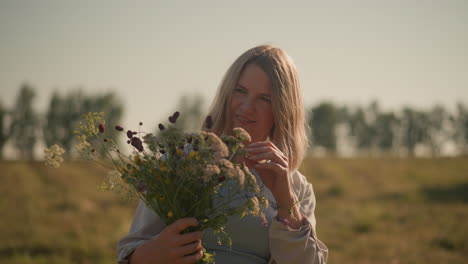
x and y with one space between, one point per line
192 155
137 160
170 214
180 152
162 166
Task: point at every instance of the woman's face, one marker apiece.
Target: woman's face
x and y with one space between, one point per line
250 106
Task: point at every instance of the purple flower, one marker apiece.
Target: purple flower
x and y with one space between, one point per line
102 129
129 134
208 122
141 187
161 127
136 142
174 117
118 128
221 178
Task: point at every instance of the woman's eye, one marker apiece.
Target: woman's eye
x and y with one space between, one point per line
239 90
266 99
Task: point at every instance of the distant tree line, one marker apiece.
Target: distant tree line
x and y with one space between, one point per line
335 129
25 127
369 130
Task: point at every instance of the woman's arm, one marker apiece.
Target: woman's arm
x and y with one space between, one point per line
301 245
294 240
146 225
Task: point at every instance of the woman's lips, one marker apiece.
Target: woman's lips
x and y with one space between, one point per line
244 121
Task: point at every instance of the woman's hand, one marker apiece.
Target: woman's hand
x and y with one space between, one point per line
170 246
273 167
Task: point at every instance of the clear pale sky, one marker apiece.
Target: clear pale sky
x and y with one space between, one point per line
400 52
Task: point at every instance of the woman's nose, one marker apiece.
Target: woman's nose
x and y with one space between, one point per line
247 106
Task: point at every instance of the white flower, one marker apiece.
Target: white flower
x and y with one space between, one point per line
220 149
255 205
83 145
54 156
243 135
226 163
240 175
210 170
251 177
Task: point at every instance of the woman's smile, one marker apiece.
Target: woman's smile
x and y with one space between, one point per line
244 121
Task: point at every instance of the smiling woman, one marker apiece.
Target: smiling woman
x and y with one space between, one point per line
250 106
261 94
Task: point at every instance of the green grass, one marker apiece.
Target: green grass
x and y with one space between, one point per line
382 210
391 210
58 215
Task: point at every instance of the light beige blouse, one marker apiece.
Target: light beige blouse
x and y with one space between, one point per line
253 242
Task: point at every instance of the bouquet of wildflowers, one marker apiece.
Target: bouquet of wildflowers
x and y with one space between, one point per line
179 174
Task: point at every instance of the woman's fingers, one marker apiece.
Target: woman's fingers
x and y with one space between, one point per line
263 144
272 156
189 238
192 258
256 150
190 248
181 224
271 166
267 151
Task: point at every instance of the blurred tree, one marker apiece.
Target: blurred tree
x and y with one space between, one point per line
343 114
191 112
415 125
25 123
460 124
51 130
362 128
62 118
438 129
65 112
322 121
5 128
386 129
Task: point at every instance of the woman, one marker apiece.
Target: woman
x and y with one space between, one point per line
260 93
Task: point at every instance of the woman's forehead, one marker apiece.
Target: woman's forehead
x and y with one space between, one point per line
254 78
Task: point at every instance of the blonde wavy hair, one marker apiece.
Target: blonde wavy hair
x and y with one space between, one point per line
290 130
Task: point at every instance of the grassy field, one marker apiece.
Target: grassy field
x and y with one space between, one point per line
369 210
